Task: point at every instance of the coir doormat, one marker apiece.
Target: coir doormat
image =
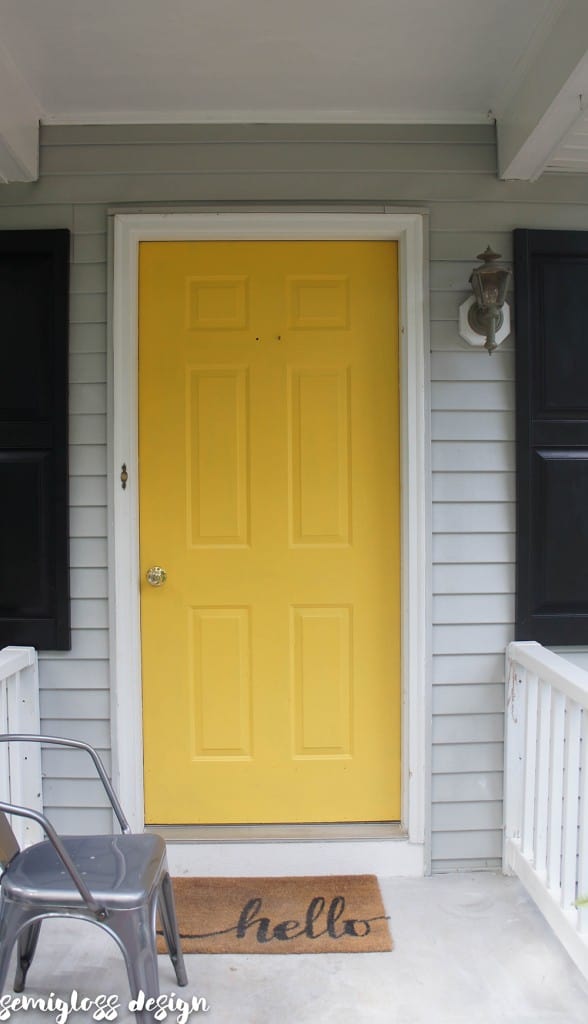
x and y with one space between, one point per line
321 914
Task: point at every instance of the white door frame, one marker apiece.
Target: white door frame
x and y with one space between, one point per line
408 229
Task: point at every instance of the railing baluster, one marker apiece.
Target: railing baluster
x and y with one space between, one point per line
556 769
583 833
528 828
14 755
570 806
542 779
4 770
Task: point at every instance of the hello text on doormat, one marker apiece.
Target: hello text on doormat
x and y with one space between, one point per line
319 914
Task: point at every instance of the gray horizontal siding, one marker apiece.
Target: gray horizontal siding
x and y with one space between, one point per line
63 705
86 792
73 674
178 134
489 396
474 486
87 522
71 765
79 820
475 843
473 188
94 731
474 517
89 583
481 425
89 614
447 817
450 171
86 428
245 158
467 757
470 786
472 549
458 669
86 645
477 578
457 609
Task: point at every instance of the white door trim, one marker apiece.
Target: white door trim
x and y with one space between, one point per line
409 230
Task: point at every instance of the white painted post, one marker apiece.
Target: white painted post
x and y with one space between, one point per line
556 769
583 833
528 829
542 787
570 807
20 763
514 759
4 765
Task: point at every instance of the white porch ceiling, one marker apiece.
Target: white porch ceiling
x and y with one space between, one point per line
129 60
195 61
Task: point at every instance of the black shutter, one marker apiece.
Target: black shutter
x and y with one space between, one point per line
34 562
551 287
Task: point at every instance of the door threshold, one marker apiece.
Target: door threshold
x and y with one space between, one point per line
245 851
322 832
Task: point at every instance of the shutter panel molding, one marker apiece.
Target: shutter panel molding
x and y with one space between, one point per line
551 281
34 557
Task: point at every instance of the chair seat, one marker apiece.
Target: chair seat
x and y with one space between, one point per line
120 871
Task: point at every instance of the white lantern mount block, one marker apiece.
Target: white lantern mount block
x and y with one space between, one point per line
479 340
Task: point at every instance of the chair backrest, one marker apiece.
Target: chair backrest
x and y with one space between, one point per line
8 844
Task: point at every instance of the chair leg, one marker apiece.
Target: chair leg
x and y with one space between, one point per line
167 910
135 930
27 944
12 919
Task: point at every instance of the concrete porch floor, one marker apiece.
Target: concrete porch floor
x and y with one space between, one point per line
469 949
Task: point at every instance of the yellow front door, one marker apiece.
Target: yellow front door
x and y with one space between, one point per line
269 492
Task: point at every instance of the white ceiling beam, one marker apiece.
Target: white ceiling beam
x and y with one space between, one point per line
19 124
549 99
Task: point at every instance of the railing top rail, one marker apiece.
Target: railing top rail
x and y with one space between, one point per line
569 679
14 659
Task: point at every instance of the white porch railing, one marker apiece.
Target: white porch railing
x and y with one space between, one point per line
546 789
20 763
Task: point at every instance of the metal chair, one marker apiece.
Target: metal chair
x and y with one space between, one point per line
118 882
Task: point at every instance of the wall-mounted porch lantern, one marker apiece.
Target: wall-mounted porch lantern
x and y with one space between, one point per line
484 318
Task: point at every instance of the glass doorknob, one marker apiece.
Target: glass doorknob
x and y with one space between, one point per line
156 576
